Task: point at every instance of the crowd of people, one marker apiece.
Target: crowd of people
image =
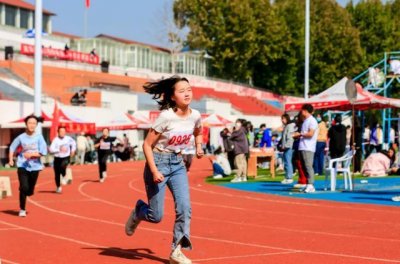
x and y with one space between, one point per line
304 144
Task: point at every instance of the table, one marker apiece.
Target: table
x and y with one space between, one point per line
262 155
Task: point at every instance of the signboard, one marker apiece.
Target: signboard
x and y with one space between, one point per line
61 54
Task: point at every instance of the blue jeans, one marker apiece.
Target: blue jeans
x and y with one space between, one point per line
287 163
175 178
319 158
218 169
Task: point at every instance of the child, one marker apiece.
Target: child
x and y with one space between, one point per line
33 147
221 165
63 147
104 150
169 135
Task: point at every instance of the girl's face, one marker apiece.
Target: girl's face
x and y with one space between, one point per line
284 121
390 152
61 132
31 125
183 94
105 132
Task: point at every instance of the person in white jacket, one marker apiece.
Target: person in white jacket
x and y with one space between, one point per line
63 147
221 166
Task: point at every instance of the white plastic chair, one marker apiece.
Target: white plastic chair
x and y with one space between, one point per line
332 171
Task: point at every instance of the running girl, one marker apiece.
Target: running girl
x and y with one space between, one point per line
62 147
32 147
104 150
169 135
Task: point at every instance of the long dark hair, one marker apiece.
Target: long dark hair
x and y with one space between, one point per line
163 91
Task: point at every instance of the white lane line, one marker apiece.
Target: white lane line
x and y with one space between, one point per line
9 228
274 211
79 242
219 240
2 260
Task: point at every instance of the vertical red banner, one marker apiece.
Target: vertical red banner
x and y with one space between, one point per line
87 3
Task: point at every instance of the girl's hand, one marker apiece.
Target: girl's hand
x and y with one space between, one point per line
27 155
11 163
199 151
158 177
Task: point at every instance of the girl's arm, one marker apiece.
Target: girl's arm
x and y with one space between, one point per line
148 146
198 139
14 145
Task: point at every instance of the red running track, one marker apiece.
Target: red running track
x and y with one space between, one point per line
85 224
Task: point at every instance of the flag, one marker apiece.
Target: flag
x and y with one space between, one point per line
55 121
87 3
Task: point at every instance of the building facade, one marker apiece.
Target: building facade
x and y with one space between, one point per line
135 55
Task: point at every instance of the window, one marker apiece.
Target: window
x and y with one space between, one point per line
11 13
24 18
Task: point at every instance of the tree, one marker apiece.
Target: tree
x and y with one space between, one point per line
373 20
254 39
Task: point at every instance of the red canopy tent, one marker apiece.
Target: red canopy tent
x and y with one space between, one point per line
120 122
335 98
214 120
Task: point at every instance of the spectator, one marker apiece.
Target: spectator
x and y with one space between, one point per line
394 66
307 145
348 137
287 147
241 149
81 146
82 97
357 146
266 140
392 136
302 181
93 52
250 133
376 139
75 99
366 137
337 138
221 167
228 146
322 138
379 164
90 151
66 48
375 77
259 135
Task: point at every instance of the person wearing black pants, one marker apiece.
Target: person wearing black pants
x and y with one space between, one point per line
104 150
33 147
62 147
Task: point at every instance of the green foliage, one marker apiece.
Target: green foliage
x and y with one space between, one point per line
263 41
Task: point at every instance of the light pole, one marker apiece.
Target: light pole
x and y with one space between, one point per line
38 63
307 52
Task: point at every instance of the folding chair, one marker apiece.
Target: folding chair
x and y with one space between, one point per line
332 170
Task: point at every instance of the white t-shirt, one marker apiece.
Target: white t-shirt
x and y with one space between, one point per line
176 131
62 147
395 66
309 144
224 163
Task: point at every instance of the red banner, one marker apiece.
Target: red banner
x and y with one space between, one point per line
87 3
60 54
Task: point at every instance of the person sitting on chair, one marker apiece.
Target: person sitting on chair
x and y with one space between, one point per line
379 164
221 165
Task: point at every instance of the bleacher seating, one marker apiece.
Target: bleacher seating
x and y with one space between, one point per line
245 104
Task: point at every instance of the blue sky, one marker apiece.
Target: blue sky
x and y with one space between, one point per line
139 20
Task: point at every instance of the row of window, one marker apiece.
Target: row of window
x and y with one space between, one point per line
136 56
11 18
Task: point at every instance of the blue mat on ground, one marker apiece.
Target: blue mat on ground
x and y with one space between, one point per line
368 190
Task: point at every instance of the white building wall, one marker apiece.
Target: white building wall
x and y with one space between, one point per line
120 101
222 108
